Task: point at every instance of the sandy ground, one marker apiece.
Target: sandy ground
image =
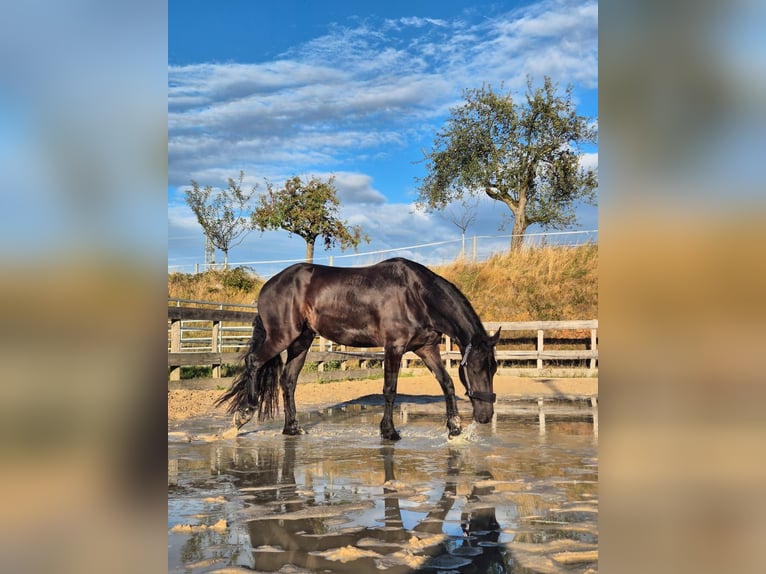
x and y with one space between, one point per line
183 403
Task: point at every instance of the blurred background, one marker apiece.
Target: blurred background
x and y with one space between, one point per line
83 154
682 238
682 283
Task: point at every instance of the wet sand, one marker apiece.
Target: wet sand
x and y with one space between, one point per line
186 403
340 500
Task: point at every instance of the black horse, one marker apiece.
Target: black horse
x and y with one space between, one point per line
396 304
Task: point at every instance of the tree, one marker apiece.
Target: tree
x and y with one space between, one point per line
309 210
463 219
222 215
525 156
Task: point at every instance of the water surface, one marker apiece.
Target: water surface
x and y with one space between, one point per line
519 495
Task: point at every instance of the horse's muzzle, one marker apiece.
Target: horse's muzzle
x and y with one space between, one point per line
483 406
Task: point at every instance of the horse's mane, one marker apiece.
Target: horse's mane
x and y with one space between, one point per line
460 300
441 292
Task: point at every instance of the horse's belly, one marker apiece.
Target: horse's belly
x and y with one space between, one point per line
362 326
350 338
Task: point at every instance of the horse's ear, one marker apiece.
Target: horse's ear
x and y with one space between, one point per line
495 338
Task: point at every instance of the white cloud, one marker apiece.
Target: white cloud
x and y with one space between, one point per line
365 92
558 39
357 188
181 221
589 161
557 20
307 106
421 22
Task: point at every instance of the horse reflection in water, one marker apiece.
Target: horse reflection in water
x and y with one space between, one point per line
278 539
479 525
397 304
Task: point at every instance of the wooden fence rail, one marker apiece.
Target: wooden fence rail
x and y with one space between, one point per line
215 337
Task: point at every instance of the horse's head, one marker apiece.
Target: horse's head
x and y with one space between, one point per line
477 369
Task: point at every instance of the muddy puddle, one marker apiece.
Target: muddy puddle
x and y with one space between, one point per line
517 495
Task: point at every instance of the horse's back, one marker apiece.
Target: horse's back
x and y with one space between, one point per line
395 268
359 306
313 287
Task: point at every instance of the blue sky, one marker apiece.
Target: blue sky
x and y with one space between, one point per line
356 90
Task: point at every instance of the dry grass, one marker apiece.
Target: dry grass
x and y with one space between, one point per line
236 285
535 284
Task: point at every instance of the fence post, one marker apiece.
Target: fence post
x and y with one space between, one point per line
175 347
475 248
540 337
594 412
322 347
447 349
215 347
593 340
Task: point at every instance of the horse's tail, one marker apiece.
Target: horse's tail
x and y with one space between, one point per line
255 387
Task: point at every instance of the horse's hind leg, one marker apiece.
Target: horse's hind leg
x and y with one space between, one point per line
296 357
432 359
391 363
254 390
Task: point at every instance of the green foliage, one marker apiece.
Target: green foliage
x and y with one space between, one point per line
525 156
222 215
239 279
309 210
203 372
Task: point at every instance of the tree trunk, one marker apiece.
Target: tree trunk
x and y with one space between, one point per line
519 228
519 221
225 259
309 251
209 254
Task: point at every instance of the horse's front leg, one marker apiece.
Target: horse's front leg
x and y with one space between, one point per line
432 359
391 363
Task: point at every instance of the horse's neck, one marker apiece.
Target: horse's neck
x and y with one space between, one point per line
461 324
464 333
450 311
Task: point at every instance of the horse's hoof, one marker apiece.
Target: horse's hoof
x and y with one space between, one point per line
241 418
391 436
455 432
293 431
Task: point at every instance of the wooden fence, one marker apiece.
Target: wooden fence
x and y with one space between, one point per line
212 337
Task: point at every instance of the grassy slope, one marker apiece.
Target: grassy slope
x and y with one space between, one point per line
232 286
546 283
537 284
